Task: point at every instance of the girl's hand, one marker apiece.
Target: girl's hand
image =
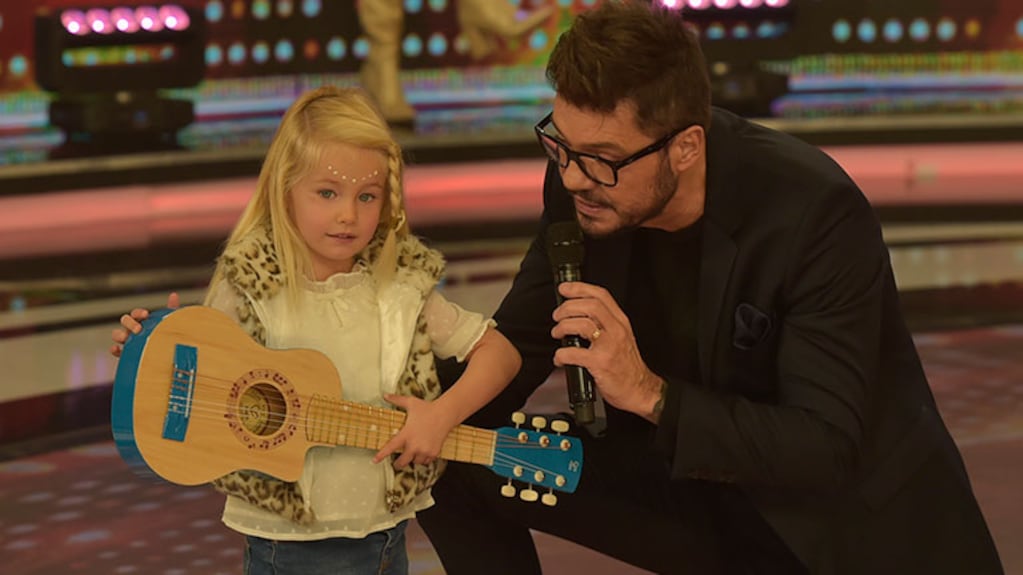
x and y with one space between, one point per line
427 425
130 323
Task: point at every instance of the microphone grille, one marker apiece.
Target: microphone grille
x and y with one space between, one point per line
565 243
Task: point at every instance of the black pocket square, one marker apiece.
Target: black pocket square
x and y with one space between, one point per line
751 326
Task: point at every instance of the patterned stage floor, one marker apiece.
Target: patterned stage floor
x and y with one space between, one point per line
82 511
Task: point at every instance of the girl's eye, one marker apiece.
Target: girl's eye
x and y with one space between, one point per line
328 194
367 197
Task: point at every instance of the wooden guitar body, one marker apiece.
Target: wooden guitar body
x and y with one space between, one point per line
196 398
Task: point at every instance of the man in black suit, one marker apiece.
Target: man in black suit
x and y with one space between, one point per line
766 410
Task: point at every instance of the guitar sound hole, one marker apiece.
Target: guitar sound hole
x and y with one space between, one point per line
262 409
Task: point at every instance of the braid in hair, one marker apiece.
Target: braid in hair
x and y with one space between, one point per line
397 219
393 225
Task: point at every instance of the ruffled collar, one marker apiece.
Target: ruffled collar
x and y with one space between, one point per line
340 281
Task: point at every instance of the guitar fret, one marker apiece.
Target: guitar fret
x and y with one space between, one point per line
331 428
317 413
325 431
393 424
332 421
371 429
360 434
339 422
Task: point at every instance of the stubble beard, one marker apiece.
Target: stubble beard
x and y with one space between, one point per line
663 190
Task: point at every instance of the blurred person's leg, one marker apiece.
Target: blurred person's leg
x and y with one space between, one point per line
383 21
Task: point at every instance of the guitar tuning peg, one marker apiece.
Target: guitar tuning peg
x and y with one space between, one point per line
529 494
539 422
508 490
559 426
549 499
518 418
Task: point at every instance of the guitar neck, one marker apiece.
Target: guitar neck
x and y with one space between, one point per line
332 421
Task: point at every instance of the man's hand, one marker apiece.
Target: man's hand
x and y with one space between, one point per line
131 323
613 359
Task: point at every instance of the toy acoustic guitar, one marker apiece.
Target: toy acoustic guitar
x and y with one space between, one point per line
196 398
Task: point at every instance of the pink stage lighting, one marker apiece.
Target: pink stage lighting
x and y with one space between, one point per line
149 18
171 36
124 20
105 67
74 22
98 20
174 17
672 4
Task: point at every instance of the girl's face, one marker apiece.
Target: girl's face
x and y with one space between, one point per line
336 206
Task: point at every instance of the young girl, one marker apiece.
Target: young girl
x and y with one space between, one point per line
322 259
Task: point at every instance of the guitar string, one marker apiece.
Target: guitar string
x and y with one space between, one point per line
499 457
362 421
359 409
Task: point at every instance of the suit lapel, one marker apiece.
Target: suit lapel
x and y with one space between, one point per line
716 259
721 218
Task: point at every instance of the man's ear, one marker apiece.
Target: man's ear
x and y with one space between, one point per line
688 148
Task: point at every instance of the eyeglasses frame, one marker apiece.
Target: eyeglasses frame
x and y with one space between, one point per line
615 165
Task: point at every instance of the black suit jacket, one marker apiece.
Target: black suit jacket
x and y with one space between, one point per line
812 398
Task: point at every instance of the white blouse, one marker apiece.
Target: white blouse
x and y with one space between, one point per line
340 317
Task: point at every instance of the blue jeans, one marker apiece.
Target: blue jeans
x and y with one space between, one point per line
380 553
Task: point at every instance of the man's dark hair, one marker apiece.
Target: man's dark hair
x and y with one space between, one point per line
636 50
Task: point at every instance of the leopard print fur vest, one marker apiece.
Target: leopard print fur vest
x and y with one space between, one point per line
251 268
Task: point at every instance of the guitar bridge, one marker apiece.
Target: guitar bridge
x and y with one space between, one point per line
182 389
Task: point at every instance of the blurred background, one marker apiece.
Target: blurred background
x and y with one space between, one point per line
131 134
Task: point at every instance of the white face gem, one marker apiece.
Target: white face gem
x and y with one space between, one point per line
344 178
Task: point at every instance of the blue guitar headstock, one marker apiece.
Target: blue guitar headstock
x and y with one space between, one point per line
539 458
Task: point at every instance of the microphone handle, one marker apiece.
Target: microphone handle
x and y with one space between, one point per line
580 393
578 381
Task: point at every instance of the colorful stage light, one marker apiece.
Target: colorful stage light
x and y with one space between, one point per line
124 20
74 22
736 36
98 21
106 65
149 19
174 18
62 36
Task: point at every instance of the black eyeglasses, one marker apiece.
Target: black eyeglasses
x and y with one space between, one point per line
600 170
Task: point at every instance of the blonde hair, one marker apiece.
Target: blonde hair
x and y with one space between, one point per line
326 115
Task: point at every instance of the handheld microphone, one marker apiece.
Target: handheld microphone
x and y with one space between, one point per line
565 250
